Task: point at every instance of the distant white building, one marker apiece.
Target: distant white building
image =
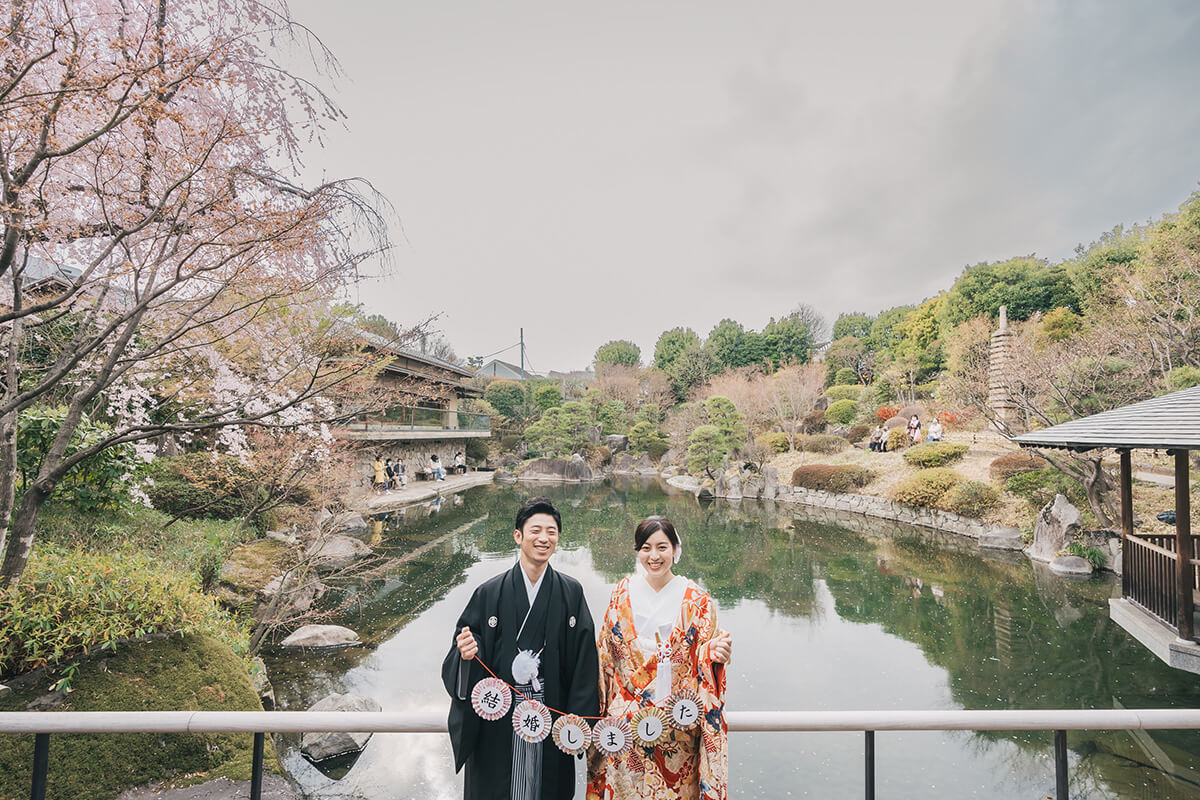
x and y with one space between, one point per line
502 369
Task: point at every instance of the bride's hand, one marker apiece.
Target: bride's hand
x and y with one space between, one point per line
721 647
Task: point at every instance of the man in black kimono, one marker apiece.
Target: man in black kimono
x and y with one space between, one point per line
536 610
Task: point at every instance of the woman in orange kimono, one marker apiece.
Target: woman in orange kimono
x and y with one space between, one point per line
660 639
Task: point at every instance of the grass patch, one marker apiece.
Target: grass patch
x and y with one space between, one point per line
189 672
195 547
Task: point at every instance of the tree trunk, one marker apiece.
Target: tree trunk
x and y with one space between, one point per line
20 541
8 472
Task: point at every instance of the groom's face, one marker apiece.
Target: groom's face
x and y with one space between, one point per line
538 539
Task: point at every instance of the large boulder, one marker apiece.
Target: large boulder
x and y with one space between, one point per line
644 466
617 442
571 470
323 746
321 636
332 553
1057 524
670 457
577 469
1071 567
595 434
688 483
248 569
348 523
753 487
770 483
623 463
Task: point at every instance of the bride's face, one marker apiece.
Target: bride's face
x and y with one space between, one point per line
657 554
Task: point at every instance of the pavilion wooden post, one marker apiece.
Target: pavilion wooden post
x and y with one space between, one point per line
1184 572
1126 516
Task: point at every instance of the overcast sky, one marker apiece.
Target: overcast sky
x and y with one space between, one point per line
611 170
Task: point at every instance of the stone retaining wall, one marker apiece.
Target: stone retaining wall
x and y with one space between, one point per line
994 536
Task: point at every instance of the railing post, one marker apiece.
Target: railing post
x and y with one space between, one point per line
256 769
1060 766
41 765
869 751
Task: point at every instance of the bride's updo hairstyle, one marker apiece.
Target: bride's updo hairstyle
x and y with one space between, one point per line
652 525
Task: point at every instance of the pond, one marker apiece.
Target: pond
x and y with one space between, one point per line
826 612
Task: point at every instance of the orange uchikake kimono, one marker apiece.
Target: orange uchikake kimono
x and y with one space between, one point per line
682 765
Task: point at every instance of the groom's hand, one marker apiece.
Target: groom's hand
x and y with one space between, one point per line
722 647
467 647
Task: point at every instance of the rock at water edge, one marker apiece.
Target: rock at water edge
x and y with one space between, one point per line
322 746
321 636
1057 524
337 552
1071 566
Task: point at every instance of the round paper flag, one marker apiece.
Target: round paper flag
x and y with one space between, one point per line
685 710
649 724
572 734
531 721
612 735
491 698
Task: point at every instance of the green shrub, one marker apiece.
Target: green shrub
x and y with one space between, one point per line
98 482
1004 467
706 449
507 397
646 437
926 488
844 392
208 485
1182 378
814 421
842 412
832 477
844 376
970 499
897 439
1093 555
69 602
509 442
547 396
1039 487
774 442
858 433
821 443
934 454
476 450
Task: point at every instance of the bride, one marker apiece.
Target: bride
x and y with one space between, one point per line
660 643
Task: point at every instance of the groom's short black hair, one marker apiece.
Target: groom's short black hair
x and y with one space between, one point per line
537 505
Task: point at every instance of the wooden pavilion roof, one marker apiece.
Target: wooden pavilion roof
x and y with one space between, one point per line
1170 422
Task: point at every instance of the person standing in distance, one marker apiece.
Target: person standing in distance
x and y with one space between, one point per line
531 618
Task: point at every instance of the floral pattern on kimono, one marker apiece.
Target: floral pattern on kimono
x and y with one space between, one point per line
682 765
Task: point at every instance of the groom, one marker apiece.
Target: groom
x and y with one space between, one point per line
539 614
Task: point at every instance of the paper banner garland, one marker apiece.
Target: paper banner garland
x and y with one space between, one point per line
685 709
531 721
612 736
572 734
648 725
491 698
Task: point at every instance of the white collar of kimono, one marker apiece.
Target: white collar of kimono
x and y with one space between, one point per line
655 611
531 589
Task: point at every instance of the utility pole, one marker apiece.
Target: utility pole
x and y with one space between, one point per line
522 354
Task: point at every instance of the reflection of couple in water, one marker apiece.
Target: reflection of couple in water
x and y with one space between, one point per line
659 641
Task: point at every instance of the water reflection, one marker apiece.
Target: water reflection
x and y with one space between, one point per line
829 612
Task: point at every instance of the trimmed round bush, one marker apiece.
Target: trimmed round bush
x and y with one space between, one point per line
896 422
897 439
832 477
210 485
1039 487
814 421
1005 467
858 433
934 454
821 443
844 376
970 499
843 392
842 412
774 442
926 488
908 411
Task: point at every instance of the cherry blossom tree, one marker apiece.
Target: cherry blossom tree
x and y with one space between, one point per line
162 259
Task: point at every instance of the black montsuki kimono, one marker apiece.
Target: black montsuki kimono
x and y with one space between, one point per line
560 620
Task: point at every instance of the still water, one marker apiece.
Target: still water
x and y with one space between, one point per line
826 613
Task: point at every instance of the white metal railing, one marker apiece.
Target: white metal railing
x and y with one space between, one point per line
261 722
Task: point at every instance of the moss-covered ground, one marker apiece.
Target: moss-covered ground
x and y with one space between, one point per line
176 673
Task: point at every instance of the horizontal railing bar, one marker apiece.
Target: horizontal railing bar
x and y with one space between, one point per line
12 722
1150 546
